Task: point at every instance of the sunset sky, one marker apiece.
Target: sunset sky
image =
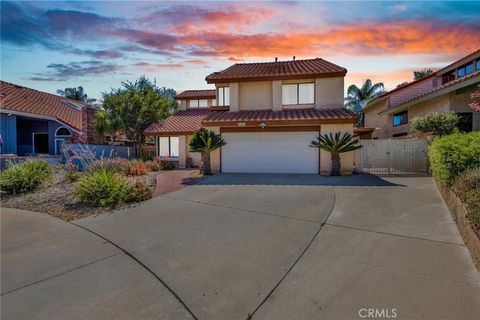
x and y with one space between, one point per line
53 45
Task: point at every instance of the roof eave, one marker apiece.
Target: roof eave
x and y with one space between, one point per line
275 77
283 122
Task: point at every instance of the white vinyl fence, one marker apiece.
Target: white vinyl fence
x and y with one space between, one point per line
392 156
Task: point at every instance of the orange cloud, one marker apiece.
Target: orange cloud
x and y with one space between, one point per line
389 78
395 37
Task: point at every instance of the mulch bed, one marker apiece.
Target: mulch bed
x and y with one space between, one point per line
58 198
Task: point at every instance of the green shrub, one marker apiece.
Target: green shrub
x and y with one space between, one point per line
114 165
167 165
452 154
467 188
25 176
441 123
72 176
140 192
103 188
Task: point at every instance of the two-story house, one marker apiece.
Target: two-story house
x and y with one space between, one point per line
448 89
267 113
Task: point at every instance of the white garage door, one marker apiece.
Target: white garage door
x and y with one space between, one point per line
269 152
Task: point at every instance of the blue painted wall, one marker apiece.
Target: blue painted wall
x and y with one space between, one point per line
25 128
8 130
52 127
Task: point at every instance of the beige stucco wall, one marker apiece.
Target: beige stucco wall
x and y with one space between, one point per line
329 92
346 159
380 122
255 95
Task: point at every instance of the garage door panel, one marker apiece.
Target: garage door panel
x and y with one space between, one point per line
272 152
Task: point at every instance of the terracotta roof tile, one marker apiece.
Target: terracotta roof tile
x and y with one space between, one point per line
196 94
291 114
21 99
182 122
294 69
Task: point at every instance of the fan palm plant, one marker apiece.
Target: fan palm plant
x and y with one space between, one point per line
205 142
335 145
357 96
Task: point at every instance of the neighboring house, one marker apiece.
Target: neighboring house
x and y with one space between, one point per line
448 89
34 122
267 113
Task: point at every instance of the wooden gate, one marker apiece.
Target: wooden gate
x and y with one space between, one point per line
393 156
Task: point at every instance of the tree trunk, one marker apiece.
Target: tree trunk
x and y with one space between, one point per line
336 166
207 169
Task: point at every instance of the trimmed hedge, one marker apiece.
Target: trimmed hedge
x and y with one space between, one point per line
452 154
467 188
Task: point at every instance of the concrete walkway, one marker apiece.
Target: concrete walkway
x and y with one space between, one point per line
239 246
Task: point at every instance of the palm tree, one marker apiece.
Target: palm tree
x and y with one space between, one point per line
357 96
106 124
205 142
336 145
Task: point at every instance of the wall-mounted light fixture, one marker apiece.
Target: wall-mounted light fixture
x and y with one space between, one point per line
263 125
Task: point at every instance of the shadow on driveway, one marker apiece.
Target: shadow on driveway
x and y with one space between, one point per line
297 179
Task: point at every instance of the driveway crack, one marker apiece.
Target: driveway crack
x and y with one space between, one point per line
250 315
144 266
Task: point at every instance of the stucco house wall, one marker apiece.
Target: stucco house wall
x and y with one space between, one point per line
257 95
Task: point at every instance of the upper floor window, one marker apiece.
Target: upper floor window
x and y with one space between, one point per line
465 70
223 96
478 65
400 118
298 93
199 103
448 77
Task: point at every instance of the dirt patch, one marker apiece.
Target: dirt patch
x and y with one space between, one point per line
58 198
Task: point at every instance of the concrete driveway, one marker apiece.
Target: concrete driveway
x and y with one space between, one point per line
239 246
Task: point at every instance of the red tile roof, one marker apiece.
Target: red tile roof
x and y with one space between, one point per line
294 69
182 122
270 115
446 85
21 99
196 94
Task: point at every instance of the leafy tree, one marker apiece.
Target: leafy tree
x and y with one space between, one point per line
440 123
421 73
136 105
205 142
475 105
356 96
335 145
107 125
77 93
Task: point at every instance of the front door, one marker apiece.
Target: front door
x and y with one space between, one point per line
40 143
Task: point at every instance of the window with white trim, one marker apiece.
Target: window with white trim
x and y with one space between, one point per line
167 146
298 93
203 103
223 96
